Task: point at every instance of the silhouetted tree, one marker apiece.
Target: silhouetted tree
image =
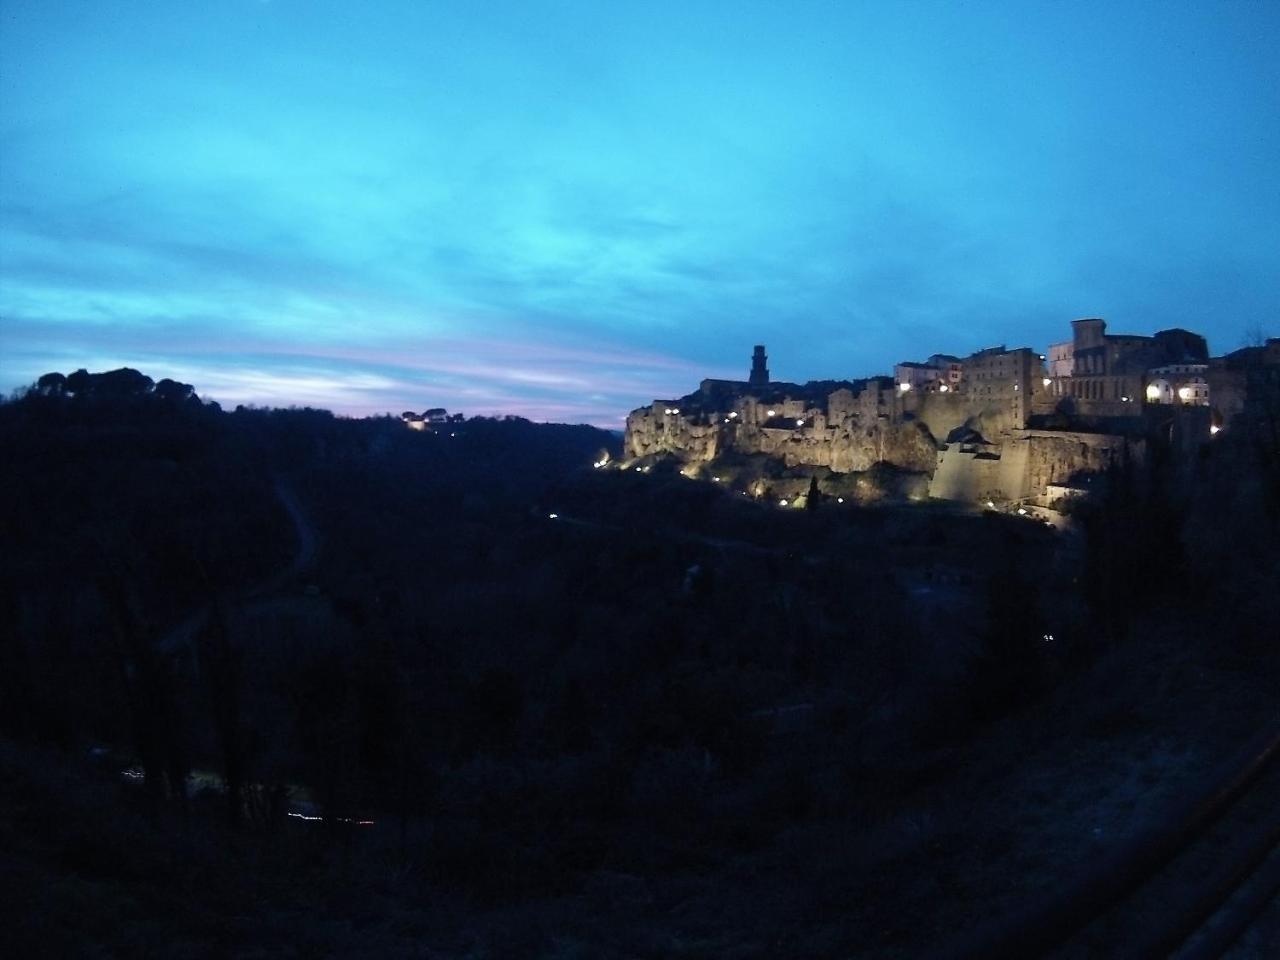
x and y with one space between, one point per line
220 675
174 392
52 385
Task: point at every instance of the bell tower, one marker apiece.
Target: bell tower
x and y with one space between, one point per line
759 371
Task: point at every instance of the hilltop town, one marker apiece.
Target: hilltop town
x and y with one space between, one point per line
1013 426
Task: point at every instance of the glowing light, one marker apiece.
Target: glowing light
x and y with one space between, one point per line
990 505
839 499
1153 392
782 503
943 389
675 410
904 387
771 414
1213 429
359 823
1184 393
1047 637
553 516
1124 399
716 479
1046 380
1021 512
726 419
734 415
800 422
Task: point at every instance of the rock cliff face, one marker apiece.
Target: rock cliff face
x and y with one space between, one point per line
849 447
845 431
1025 464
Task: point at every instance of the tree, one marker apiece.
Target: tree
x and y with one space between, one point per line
220 669
79 383
811 501
52 385
174 392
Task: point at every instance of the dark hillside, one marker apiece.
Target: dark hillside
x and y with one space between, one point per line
667 721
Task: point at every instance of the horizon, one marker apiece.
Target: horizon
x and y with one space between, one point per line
562 212
608 424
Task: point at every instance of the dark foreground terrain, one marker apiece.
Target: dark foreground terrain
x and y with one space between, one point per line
276 683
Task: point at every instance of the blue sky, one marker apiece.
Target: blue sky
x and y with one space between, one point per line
566 210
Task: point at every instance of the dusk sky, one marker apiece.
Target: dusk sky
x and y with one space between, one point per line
566 210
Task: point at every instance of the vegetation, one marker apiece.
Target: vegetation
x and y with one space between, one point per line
559 730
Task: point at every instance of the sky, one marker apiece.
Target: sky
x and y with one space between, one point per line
567 210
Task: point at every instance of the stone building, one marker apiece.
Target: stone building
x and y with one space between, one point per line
1178 383
941 372
1109 374
1003 379
1245 381
1061 360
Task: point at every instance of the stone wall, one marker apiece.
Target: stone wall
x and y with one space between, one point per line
1056 457
1026 464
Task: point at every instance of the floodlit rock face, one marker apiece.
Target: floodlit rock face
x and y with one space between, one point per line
1026 463
651 431
846 431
